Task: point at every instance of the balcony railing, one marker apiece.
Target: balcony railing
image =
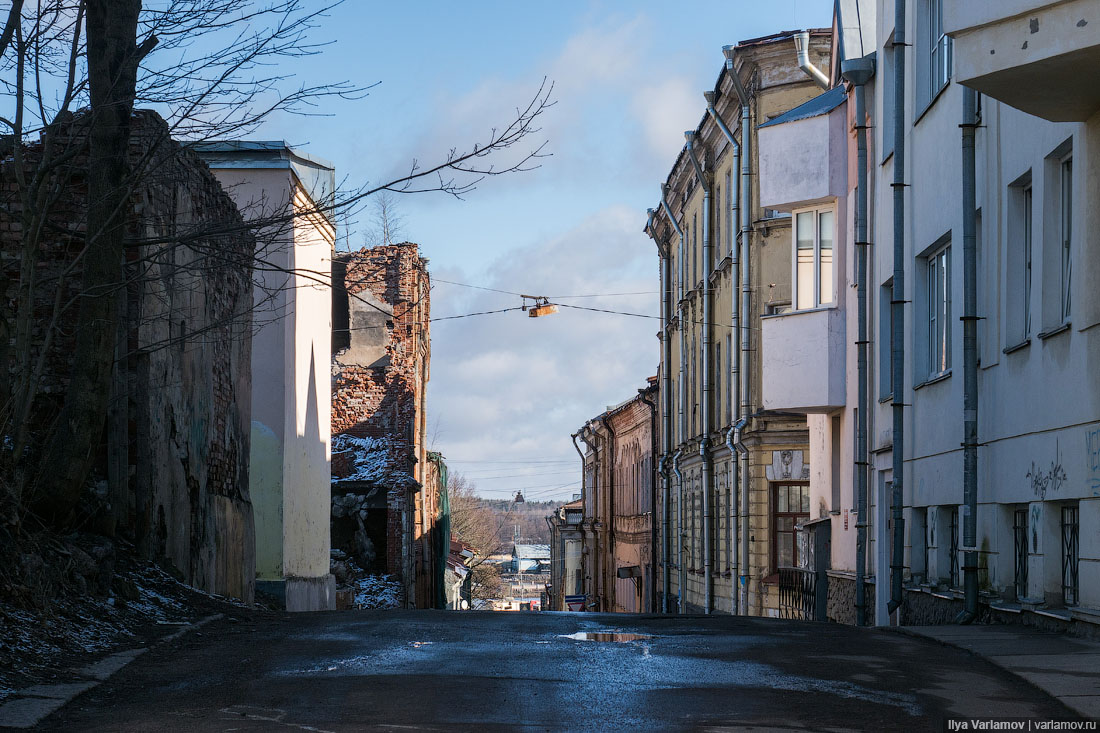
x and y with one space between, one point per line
797 594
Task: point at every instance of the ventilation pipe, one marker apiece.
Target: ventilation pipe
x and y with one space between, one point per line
708 387
666 398
970 360
857 72
679 531
746 305
735 356
897 311
802 48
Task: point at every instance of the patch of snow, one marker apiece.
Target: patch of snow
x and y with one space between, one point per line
377 460
377 591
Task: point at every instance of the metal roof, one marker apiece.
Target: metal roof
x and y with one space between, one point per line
819 105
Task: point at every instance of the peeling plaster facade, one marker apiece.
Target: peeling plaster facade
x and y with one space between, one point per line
291 407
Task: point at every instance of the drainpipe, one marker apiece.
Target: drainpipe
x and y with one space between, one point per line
653 502
679 530
735 356
683 397
897 309
584 500
708 387
857 72
612 487
746 306
599 558
970 360
666 397
743 565
802 48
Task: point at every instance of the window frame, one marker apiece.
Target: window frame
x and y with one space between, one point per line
937 321
797 517
816 213
940 51
1065 233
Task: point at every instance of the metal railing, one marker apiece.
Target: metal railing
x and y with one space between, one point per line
797 593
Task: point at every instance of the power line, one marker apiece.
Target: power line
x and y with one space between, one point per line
479 313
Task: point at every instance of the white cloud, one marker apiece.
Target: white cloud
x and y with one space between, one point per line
666 109
507 387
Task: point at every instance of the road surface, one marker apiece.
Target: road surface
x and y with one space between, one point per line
434 670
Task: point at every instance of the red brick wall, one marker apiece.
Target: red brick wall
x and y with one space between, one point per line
384 399
176 449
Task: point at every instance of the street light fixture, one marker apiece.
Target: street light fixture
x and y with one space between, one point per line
541 306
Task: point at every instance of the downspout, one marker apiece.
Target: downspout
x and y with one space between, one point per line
857 72
584 501
679 531
653 501
704 441
746 306
683 398
970 360
802 48
599 559
666 402
611 488
897 310
735 356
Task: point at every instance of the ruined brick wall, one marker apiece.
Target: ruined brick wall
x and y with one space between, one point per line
380 368
175 452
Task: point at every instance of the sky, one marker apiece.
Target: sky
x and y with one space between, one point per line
506 390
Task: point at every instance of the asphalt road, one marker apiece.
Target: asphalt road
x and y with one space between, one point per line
432 670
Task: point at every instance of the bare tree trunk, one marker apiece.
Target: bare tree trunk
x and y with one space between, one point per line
113 57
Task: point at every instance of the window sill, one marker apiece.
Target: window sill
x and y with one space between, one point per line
1022 345
772 579
933 379
1044 335
931 103
886 398
817 309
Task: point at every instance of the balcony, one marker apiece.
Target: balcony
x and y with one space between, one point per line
803 154
804 357
1036 55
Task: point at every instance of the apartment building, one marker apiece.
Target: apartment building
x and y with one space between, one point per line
729 466
954 420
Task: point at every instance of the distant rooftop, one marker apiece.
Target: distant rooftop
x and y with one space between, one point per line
532 552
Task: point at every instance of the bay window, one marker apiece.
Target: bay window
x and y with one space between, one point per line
814 231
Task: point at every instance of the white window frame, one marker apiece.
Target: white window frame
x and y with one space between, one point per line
817 301
1065 232
938 320
1028 255
939 50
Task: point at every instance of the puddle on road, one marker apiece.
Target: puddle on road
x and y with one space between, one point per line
606 636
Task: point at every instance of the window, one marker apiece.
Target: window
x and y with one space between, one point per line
836 455
885 336
1021 218
792 506
939 45
813 269
729 371
1057 240
1071 555
938 280
1066 230
729 208
1019 544
886 118
953 547
716 245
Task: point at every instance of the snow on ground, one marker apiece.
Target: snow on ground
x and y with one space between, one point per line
75 629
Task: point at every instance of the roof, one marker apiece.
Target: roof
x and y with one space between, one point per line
317 175
819 105
532 552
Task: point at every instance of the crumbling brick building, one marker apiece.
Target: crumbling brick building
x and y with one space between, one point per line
171 474
380 368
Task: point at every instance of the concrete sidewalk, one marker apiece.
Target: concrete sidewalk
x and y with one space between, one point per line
1064 667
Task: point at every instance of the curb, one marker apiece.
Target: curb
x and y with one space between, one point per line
26 708
1031 683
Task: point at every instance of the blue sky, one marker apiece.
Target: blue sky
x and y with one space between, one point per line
507 390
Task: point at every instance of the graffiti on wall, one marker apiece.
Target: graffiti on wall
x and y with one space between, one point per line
1092 458
1044 480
